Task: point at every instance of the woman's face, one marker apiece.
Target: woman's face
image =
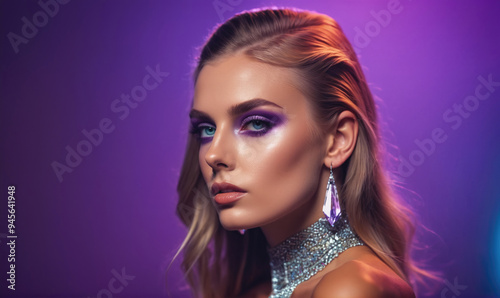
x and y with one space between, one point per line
255 133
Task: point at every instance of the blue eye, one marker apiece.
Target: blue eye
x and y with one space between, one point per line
207 131
256 125
253 126
203 130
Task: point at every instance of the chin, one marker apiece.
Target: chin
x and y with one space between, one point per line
233 220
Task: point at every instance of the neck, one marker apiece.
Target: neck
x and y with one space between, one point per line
307 252
299 219
289 225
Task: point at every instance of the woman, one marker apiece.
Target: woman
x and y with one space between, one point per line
281 119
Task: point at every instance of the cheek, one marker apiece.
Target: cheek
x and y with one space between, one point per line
289 166
283 161
290 148
206 170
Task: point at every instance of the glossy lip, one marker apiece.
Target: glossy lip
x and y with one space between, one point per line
226 193
228 197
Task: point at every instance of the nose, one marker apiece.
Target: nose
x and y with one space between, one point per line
220 154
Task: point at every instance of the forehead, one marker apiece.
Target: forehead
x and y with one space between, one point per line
233 79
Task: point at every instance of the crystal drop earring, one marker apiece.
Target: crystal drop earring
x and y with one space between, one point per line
331 205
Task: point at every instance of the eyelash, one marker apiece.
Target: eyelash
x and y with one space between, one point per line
196 129
256 118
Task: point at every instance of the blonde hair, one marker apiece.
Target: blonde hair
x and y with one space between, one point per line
221 263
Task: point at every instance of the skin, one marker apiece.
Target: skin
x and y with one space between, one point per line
357 272
270 152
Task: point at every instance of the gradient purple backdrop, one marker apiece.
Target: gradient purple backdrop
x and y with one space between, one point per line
115 210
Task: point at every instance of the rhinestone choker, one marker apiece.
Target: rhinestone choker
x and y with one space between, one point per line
304 254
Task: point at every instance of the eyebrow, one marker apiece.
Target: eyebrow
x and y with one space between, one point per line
237 109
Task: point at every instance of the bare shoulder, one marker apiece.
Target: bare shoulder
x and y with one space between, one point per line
357 278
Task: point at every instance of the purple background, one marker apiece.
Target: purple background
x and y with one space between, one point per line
116 208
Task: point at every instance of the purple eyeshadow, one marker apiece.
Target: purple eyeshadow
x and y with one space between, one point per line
204 140
268 116
269 119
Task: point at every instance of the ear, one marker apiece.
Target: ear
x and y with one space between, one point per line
341 140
